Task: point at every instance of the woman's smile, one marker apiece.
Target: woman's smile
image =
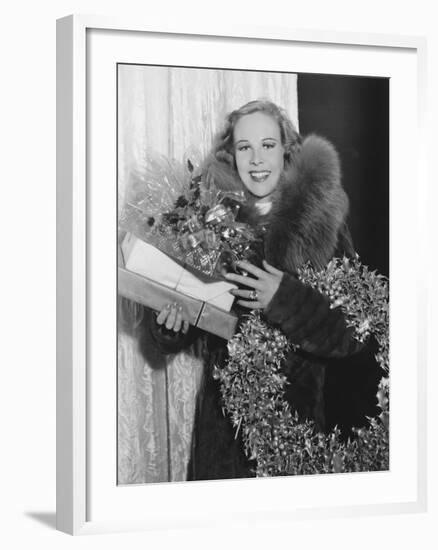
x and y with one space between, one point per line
260 176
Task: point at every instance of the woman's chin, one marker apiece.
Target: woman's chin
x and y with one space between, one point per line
259 197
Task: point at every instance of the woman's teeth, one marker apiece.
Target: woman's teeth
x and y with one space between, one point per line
259 176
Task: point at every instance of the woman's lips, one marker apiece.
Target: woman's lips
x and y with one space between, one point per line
260 176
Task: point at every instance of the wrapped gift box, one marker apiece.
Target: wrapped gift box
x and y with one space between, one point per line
145 259
150 277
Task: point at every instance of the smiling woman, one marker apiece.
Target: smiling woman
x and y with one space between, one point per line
296 203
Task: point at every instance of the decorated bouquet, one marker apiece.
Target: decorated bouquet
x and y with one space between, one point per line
194 223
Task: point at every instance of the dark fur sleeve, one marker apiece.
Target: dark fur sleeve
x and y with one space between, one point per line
305 316
168 341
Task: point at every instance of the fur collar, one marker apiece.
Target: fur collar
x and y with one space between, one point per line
309 206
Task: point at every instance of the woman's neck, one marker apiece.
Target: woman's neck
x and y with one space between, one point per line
264 205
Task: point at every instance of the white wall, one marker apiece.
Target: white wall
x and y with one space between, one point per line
27 402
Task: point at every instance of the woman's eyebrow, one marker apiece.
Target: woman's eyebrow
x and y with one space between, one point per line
247 140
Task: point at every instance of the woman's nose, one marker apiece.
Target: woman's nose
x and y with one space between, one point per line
256 157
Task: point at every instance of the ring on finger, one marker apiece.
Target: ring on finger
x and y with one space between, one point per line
253 295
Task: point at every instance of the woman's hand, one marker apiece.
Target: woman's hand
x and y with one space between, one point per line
173 317
263 285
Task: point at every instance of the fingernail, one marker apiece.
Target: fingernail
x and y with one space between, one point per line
167 306
180 307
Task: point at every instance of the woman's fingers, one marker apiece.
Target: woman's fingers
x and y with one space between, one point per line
170 321
173 318
247 281
250 305
271 269
250 301
262 275
242 293
162 315
178 319
256 271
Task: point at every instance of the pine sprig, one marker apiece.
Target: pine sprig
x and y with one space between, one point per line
363 296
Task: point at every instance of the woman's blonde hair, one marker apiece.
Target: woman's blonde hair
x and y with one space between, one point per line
223 147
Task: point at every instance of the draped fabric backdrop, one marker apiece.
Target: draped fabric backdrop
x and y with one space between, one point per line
175 112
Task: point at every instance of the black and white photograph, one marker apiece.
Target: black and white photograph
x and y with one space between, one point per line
219 294
253 274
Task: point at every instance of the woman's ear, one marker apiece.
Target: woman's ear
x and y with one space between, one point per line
291 156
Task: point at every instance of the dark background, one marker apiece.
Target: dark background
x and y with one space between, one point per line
353 113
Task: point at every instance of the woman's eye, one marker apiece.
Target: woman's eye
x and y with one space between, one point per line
269 145
243 147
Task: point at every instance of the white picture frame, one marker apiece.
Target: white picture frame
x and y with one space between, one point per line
77 489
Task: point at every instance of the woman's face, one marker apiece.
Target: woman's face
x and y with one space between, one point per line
259 153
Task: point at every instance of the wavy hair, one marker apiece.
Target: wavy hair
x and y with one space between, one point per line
223 146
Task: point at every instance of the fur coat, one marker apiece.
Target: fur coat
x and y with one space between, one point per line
333 379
